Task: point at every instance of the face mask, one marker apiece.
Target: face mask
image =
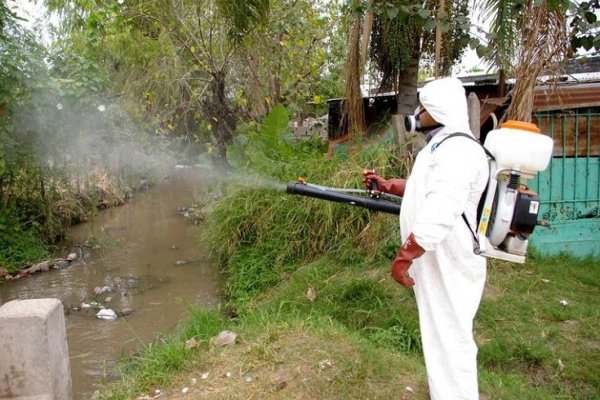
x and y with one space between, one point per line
420 122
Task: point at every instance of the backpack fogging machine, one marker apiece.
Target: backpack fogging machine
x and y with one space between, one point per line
508 210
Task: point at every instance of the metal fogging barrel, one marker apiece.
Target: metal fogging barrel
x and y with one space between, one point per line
374 204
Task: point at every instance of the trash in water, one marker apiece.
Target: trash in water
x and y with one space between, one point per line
100 290
107 314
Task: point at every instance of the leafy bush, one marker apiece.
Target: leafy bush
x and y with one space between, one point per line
19 245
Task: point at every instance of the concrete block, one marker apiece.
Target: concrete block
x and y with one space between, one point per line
34 357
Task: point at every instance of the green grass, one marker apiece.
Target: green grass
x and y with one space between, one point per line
525 351
159 362
543 323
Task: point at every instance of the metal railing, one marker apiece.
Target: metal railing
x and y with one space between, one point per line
570 187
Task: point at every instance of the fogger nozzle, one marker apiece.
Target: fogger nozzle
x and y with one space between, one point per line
303 189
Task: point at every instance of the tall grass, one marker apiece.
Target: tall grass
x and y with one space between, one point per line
261 235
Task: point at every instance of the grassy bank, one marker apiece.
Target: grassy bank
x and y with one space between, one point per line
317 315
537 332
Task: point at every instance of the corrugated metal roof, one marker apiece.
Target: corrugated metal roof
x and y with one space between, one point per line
566 96
562 96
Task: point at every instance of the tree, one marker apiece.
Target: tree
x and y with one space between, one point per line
174 56
201 66
544 47
401 33
287 60
527 39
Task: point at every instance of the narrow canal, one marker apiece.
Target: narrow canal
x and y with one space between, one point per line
142 258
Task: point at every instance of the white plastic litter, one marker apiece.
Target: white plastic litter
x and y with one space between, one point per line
107 314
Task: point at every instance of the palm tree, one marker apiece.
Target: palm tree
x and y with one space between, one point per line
544 46
534 34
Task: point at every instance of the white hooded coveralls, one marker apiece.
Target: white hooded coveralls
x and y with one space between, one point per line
449 277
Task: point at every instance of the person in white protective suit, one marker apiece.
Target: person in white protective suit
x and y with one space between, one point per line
448 277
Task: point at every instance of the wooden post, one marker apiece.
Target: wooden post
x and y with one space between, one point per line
398 125
474 110
438 40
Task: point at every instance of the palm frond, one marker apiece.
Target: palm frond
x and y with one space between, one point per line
503 17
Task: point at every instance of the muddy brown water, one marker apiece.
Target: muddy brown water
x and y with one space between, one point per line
138 250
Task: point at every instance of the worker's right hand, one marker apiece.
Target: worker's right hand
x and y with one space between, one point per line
393 186
369 178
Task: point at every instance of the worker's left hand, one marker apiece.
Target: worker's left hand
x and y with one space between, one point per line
399 273
407 253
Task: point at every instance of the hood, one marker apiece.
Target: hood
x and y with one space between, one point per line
446 102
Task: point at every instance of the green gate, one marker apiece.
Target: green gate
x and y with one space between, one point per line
569 188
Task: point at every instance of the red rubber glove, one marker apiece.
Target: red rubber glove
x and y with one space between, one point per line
392 186
407 253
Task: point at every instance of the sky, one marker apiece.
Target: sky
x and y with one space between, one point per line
33 12
26 9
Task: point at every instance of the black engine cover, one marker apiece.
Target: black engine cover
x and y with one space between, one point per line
526 211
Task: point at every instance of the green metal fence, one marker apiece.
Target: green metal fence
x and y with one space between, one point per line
569 188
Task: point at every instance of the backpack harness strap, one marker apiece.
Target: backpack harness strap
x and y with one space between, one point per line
487 153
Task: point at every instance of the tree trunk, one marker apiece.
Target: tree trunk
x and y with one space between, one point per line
259 102
353 105
501 82
217 109
366 36
407 84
